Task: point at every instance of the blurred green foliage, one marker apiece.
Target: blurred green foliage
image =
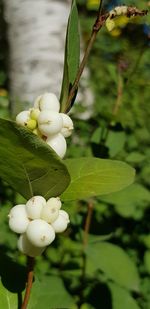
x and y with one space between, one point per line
113 271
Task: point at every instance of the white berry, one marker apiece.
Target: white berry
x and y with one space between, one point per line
34 206
40 233
27 248
22 118
60 224
47 101
18 220
50 213
64 214
58 143
54 201
67 125
50 122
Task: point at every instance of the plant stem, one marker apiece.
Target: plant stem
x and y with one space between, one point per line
30 274
100 20
87 224
119 95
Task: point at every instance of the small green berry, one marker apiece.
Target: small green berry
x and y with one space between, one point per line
31 124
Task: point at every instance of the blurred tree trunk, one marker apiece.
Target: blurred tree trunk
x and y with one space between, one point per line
36 36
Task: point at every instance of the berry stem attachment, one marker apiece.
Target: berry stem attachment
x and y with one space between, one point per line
30 274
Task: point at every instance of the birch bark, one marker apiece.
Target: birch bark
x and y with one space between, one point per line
36 35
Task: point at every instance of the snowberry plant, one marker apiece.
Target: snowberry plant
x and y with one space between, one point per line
33 146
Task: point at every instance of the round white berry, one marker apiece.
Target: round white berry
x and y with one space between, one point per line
54 201
64 214
27 248
49 213
34 206
67 125
18 220
58 143
22 118
50 122
60 224
47 101
40 233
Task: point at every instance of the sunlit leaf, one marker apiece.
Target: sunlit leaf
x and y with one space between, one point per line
93 177
8 300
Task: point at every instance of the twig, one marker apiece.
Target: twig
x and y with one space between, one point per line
133 11
100 21
30 274
119 95
87 224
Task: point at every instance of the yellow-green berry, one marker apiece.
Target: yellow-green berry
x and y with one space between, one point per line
31 124
34 113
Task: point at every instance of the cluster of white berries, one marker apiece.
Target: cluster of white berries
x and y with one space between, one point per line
45 121
118 11
37 221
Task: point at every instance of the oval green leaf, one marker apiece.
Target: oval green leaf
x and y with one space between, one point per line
50 293
121 298
72 55
8 300
115 263
94 177
28 164
129 201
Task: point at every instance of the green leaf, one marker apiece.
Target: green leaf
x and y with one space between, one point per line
115 142
129 201
93 177
72 55
28 164
121 298
115 264
8 300
135 157
50 293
